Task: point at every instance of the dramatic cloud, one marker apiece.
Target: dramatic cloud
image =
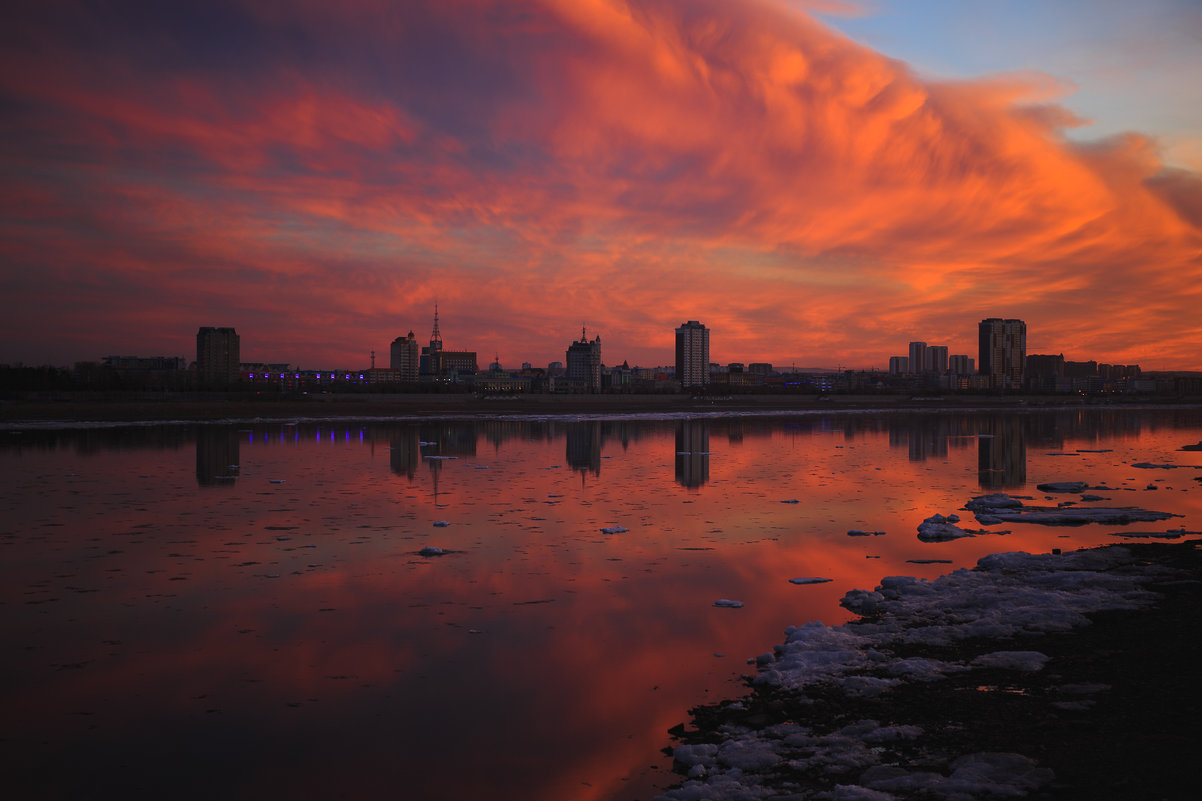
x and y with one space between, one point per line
318 176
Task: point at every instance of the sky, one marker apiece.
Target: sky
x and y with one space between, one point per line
818 182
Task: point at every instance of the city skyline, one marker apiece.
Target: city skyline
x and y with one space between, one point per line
816 181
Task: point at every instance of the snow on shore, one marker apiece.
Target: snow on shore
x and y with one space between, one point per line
1006 595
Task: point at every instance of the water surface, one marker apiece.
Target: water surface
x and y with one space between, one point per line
244 610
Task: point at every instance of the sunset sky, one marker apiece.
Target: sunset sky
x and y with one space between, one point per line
818 182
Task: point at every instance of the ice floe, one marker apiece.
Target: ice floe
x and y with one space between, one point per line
808 580
938 528
855 532
1005 595
726 603
1063 486
1002 508
1027 661
614 530
431 550
441 523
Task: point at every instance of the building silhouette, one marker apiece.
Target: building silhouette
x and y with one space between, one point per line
961 364
918 357
218 357
936 359
404 356
584 364
692 355
440 363
1003 352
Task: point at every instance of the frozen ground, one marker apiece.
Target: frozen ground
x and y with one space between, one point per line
913 700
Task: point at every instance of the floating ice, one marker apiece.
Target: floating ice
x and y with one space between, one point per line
791 500
728 604
614 530
1197 447
431 550
1026 661
999 508
441 523
1063 486
938 528
1171 534
276 480
812 580
1151 466
1007 595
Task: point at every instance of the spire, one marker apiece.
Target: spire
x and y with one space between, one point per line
435 336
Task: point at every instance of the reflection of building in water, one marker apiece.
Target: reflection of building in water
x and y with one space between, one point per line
693 452
406 452
584 447
1002 453
449 440
217 449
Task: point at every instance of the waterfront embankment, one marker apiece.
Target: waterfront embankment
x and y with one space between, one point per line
131 407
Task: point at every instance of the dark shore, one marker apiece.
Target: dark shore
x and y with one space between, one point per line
98 408
1135 738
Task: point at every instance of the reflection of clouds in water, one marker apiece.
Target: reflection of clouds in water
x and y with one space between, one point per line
285 601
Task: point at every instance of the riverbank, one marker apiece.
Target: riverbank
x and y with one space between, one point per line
913 702
196 408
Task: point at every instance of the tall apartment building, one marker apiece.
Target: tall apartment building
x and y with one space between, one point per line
218 357
584 363
1003 352
961 364
404 356
899 365
918 356
692 354
936 359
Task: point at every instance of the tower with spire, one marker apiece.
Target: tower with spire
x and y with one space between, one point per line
435 335
584 363
445 364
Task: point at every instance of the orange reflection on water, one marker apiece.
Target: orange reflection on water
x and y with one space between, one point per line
270 587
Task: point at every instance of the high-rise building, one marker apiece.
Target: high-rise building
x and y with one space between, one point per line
584 363
936 359
218 357
918 357
405 357
1003 352
692 354
961 364
899 365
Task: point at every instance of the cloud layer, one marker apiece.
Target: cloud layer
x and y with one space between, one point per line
318 177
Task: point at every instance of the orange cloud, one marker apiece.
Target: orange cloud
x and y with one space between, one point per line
632 163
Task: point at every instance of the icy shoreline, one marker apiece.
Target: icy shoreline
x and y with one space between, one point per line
914 634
